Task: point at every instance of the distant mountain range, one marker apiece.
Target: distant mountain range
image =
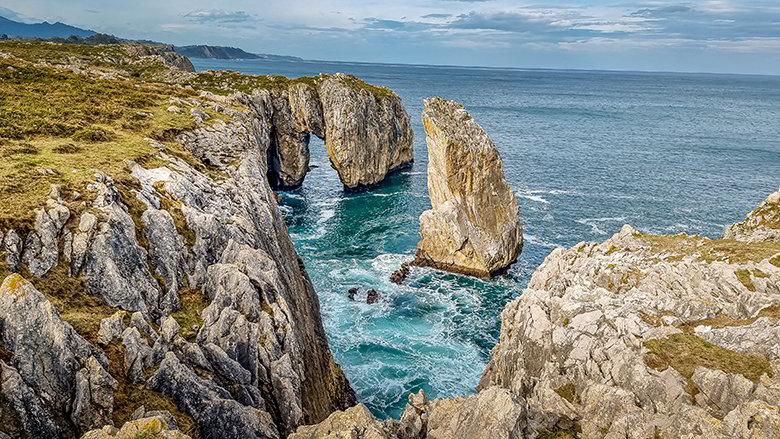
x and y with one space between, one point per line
220 52
15 29
58 31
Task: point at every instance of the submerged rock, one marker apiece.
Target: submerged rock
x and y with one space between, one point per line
474 224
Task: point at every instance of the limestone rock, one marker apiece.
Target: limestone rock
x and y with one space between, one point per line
354 423
762 224
156 427
646 336
367 131
474 224
66 382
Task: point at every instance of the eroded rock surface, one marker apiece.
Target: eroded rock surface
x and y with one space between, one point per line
762 224
474 224
185 291
647 336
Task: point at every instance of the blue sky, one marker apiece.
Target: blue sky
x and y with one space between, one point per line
737 36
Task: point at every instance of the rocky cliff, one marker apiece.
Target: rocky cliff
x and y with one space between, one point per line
167 287
366 129
474 225
762 224
636 337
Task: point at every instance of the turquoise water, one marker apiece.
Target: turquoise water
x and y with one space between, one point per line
585 151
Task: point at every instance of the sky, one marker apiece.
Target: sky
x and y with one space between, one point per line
728 36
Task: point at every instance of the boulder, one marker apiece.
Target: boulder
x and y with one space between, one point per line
474 225
761 224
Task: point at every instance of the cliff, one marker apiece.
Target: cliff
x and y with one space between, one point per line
473 226
164 285
639 336
366 129
221 52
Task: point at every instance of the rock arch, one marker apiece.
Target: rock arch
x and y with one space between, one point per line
367 131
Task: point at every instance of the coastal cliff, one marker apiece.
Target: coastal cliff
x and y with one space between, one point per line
474 225
640 336
366 129
149 280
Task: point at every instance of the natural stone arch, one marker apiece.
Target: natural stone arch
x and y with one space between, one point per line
366 130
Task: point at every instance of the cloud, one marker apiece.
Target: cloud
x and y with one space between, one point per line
660 12
437 16
218 16
15 16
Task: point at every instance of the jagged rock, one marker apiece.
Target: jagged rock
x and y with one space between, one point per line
400 275
137 352
354 423
762 224
152 427
111 328
474 224
619 332
12 245
367 131
66 379
212 407
492 414
41 248
115 265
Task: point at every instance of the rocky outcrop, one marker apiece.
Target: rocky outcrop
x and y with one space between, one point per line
53 381
762 224
647 336
474 225
157 427
366 129
493 414
181 281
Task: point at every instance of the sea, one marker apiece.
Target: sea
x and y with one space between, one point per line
585 152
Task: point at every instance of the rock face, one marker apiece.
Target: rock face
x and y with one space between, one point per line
647 336
493 414
474 224
178 289
366 129
762 224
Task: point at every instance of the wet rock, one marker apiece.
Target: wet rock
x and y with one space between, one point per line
474 224
400 275
352 292
372 296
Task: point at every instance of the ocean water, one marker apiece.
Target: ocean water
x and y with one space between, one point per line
585 151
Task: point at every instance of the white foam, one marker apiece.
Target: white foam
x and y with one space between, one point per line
594 223
533 239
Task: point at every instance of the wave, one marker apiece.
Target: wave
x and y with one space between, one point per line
533 239
594 223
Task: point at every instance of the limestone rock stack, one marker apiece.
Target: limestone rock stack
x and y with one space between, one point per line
474 224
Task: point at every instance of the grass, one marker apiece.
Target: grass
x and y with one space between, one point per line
68 294
193 303
226 82
568 392
58 127
722 321
129 397
677 247
686 352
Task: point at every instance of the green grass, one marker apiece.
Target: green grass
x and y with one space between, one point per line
686 352
677 247
192 305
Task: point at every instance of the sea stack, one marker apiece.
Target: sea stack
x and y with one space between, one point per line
474 225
